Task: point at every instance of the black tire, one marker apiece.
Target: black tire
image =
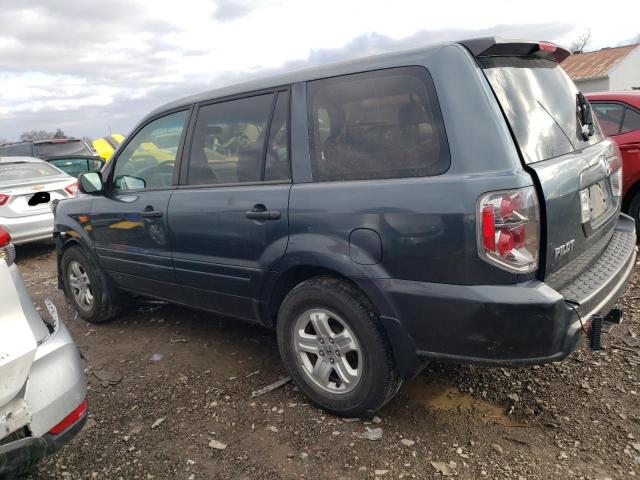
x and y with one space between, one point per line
379 380
634 210
104 306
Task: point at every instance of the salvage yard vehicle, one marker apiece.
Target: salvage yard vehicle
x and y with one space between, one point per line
46 148
619 116
28 186
456 202
42 384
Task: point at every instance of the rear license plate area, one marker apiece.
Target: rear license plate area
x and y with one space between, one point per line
599 200
39 198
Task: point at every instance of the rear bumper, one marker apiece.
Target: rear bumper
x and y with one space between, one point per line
508 325
18 456
29 228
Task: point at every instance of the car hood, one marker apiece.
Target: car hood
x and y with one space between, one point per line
21 329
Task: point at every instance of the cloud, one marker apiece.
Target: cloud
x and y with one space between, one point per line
88 65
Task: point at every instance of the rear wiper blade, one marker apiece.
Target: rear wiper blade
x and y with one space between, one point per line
585 116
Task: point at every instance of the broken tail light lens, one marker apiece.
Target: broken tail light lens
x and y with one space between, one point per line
509 229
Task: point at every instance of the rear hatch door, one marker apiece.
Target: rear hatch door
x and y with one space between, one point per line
574 166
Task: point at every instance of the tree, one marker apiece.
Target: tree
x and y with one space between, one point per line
59 134
580 44
31 135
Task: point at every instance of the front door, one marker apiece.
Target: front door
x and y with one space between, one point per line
129 222
228 222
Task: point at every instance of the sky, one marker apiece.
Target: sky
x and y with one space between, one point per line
95 66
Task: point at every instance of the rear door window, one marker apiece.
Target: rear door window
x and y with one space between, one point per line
228 141
631 121
379 124
609 116
540 102
277 159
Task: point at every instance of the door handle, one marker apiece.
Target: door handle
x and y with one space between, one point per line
151 214
258 213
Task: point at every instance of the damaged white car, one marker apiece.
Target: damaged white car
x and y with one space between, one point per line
42 383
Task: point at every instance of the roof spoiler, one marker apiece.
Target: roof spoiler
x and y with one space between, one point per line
500 47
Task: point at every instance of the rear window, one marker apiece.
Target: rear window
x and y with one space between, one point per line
380 124
26 171
73 147
539 100
22 150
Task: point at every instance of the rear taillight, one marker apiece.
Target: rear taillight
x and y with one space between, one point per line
7 251
615 167
5 238
70 419
72 188
3 199
509 229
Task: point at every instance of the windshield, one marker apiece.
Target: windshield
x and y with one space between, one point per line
539 100
70 147
76 166
26 171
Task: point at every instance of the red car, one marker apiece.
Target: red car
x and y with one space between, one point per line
619 116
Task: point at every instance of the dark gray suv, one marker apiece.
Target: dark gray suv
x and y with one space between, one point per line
457 202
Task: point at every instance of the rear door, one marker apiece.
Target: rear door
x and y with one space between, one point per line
575 168
229 221
128 223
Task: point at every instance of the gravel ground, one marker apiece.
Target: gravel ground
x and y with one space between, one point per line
168 385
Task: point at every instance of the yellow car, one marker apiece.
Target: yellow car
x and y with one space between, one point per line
105 146
148 152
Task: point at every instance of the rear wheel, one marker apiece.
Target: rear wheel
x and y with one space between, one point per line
335 348
634 210
85 287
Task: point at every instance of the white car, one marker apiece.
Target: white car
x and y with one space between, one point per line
43 388
27 188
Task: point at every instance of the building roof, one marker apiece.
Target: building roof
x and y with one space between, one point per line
581 66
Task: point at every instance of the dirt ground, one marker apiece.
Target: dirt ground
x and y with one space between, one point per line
165 381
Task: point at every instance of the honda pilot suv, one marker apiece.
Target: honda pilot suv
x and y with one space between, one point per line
457 202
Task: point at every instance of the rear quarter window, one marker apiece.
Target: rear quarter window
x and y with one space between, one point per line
373 125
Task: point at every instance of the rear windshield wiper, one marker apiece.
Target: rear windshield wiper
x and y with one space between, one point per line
585 116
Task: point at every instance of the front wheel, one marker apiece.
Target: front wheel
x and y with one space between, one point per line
85 287
335 348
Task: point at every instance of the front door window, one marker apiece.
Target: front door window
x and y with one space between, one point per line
148 160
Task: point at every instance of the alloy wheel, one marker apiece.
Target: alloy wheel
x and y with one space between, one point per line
80 285
328 351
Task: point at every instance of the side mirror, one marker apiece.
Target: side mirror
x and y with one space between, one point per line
90 182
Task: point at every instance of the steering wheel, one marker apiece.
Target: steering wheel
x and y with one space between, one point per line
159 175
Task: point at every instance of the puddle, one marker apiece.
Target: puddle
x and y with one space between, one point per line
447 398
